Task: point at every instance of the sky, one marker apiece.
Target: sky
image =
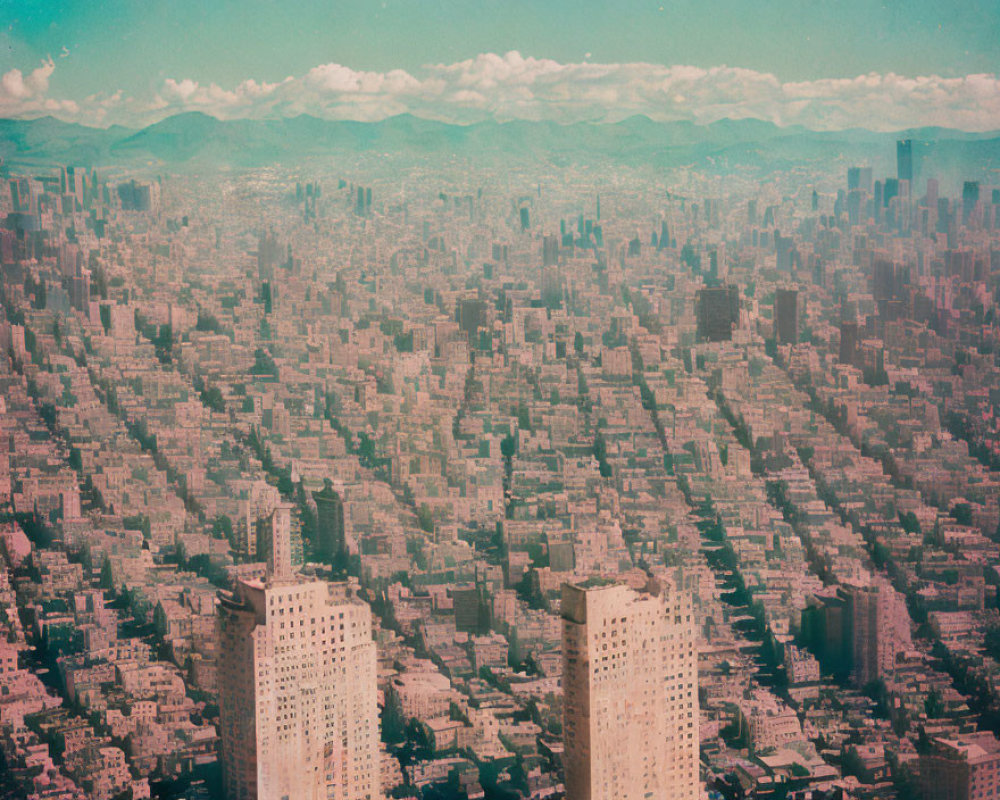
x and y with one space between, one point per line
826 65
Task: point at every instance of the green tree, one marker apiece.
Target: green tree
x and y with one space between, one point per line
425 519
508 446
212 398
393 720
107 580
601 454
934 705
909 522
962 512
222 527
207 322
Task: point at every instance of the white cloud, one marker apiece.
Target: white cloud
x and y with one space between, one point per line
512 86
16 87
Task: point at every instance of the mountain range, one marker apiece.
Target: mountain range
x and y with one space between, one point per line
195 140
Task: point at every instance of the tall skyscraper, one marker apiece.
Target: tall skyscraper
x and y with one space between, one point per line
855 206
471 315
297 686
859 178
904 160
932 193
550 250
718 309
826 629
786 316
785 253
268 254
970 197
664 241
849 339
880 628
330 543
630 692
890 189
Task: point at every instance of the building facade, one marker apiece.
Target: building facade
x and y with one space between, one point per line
297 687
880 629
966 767
786 316
630 692
717 310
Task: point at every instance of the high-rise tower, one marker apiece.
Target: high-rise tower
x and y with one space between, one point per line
330 542
880 630
717 310
297 685
786 316
630 692
849 338
904 160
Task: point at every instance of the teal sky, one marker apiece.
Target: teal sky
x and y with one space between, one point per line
136 45
131 44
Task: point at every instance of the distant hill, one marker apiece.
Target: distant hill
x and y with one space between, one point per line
48 140
193 140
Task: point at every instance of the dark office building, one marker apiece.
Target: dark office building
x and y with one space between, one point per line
828 633
718 310
20 194
135 196
904 160
890 189
471 316
888 280
859 178
465 601
786 316
970 197
848 342
664 240
550 250
785 252
931 199
525 219
268 255
331 546
855 206
551 288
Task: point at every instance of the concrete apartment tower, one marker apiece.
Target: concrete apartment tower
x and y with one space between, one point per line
630 686
880 630
297 685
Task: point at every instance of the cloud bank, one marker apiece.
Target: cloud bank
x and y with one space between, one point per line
515 87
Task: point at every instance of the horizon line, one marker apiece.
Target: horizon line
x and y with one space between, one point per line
597 123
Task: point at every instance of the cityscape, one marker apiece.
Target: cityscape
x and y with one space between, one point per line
461 452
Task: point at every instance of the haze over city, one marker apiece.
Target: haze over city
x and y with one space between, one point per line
457 401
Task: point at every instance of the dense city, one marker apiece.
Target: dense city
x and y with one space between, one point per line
568 482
